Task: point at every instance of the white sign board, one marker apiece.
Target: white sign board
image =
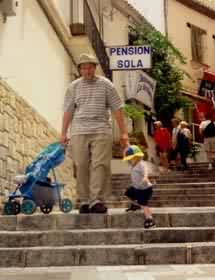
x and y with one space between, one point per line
141 87
129 57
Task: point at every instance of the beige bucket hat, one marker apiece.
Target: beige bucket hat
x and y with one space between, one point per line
87 58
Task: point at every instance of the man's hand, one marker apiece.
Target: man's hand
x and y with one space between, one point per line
119 116
64 140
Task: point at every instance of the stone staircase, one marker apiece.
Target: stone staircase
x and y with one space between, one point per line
184 235
195 187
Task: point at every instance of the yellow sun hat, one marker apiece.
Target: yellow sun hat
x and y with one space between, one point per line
133 151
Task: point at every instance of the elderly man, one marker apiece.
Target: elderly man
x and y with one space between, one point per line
87 105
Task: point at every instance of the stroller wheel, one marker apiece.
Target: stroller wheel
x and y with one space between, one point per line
12 208
66 205
46 208
28 207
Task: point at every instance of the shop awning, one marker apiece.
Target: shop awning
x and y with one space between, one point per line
207 86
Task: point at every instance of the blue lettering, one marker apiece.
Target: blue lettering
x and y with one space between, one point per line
120 64
130 50
112 51
127 63
118 51
140 50
147 50
124 51
139 63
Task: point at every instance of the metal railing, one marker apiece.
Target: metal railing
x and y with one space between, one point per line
94 36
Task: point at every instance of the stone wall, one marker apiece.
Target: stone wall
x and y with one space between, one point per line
23 133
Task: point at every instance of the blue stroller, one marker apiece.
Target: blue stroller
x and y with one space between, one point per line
35 188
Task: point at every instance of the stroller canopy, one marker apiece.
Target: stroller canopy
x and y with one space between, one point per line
52 156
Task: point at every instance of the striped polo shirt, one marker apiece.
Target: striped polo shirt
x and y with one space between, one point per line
90 103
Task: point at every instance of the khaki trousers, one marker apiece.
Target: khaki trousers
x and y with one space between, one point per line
92 154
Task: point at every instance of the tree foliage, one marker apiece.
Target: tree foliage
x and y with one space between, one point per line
165 70
133 111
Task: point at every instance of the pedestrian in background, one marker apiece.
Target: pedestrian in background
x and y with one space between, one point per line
173 156
162 139
184 140
207 129
87 105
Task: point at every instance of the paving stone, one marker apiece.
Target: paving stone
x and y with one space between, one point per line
203 254
12 258
71 221
79 255
161 254
139 276
36 222
192 219
80 274
8 223
155 272
124 220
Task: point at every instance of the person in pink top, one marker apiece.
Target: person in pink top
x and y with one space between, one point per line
162 139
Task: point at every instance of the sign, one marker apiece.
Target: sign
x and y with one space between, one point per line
207 86
129 57
141 87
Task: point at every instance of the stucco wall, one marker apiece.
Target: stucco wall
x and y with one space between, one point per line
180 34
153 11
64 8
33 60
23 133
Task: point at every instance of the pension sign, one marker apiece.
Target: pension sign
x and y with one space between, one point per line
129 57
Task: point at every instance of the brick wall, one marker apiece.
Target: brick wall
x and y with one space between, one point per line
23 133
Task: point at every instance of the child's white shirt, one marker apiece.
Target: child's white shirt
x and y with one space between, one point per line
138 172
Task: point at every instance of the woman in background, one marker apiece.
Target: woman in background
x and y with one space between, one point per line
184 142
162 139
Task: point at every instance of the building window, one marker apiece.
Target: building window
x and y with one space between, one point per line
197 43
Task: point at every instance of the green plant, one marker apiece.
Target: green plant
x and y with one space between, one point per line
133 111
166 60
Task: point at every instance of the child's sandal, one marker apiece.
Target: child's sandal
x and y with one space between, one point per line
149 223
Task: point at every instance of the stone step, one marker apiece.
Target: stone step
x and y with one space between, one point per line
171 174
172 191
178 203
122 203
174 198
116 218
187 173
105 237
183 179
116 177
196 185
134 254
178 178
167 181
187 185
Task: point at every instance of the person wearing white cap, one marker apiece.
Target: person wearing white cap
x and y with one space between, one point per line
184 139
87 105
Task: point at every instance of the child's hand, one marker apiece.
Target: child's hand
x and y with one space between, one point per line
146 181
